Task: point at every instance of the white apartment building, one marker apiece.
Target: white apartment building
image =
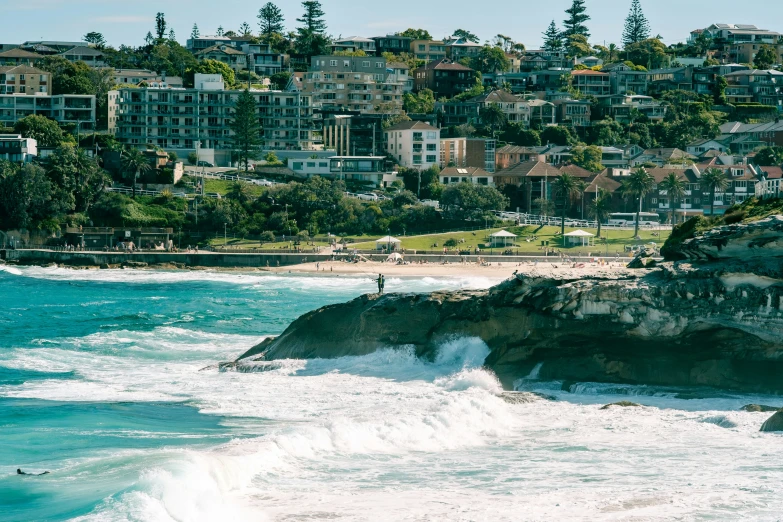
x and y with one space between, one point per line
62 108
16 149
184 120
414 144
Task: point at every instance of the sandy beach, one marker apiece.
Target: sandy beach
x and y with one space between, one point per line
498 271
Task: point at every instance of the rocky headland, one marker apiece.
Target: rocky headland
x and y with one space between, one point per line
712 317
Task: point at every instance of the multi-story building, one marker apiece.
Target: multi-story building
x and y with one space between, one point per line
22 79
458 48
414 144
541 60
150 78
621 107
185 120
224 53
19 57
366 170
515 109
592 83
82 53
400 73
392 43
353 44
16 149
573 113
444 78
264 61
428 50
764 87
195 45
348 83
468 152
625 80
737 33
352 133
509 155
62 108
475 175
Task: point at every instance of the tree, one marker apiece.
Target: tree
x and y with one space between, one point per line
211 67
577 46
245 29
311 35
95 38
769 157
490 60
246 128
575 23
719 90
422 102
588 158
219 31
492 116
195 32
280 80
545 206
638 185
713 180
675 190
172 36
566 187
270 21
76 175
650 53
765 58
149 39
160 26
239 192
515 134
601 208
134 164
40 128
416 34
468 200
637 28
466 35
557 135
553 42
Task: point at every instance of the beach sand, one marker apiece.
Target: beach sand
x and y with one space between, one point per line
497 271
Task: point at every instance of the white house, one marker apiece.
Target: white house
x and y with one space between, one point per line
414 144
475 175
16 149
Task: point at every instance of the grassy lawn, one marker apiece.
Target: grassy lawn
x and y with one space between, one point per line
615 240
223 187
254 243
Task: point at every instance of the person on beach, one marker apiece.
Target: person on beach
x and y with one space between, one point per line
381 283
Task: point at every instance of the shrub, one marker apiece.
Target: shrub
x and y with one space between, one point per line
268 237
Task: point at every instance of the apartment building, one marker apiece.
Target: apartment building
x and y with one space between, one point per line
264 61
624 79
19 57
62 108
82 53
621 107
352 133
468 152
22 79
151 78
414 144
224 53
514 108
764 87
428 50
592 83
368 170
444 78
573 113
392 43
737 33
184 120
16 149
746 52
353 44
348 83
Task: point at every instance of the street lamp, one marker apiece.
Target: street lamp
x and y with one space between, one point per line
225 226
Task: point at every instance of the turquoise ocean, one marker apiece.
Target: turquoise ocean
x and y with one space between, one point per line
108 380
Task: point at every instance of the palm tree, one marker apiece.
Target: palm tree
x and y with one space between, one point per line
239 192
638 185
134 164
492 116
566 187
612 52
675 189
601 207
714 180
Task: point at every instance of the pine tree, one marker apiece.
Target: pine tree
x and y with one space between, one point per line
220 31
172 36
160 26
575 24
637 28
270 20
195 32
246 128
552 40
149 39
311 38
245 29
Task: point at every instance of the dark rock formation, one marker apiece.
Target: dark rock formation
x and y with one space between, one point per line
621 404
774 423
717 323
760 408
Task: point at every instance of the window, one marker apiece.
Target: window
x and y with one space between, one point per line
298 165
418 136
333 63
323 164
432 135
431 158
310 164
346 63
379 65
366 63
654 201
432 147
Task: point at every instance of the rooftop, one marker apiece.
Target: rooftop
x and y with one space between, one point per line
412 125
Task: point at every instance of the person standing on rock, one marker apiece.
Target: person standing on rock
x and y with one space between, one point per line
381 283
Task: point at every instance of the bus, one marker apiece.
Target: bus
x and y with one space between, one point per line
646 219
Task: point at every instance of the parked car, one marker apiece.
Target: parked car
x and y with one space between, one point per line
204 164
368 197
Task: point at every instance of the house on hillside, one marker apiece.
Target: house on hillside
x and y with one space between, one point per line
444 78
226 54
414 144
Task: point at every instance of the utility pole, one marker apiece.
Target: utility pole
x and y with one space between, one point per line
225 241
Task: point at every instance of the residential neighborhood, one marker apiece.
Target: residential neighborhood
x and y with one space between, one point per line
409 111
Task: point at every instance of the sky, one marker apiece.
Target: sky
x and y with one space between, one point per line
522 20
